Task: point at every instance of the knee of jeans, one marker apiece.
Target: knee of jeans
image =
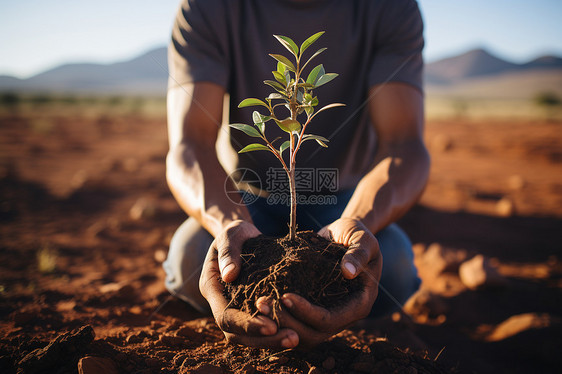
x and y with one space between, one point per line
183 265
399 274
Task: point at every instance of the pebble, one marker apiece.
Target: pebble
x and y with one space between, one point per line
143 209
519 323
96 365
478 273
440 260
425 303
505 207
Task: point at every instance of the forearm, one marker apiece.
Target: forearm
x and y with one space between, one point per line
392 187
197 181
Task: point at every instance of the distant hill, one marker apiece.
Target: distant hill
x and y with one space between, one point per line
476 73
145 75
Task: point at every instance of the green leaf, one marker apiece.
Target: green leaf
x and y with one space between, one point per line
309 110
318 71
285 61
334 105
279 77
319 139
287 77
273 96
288 43
251 102
325 79
254 147
289 125
310 40
275 85
314 55
249 130
284 146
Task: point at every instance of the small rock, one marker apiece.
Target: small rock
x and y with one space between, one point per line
329 363
160 255
519 323
478 273
143 209
96 365
505 207
425 303
440 260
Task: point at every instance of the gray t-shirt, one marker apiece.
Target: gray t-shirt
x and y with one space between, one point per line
369 42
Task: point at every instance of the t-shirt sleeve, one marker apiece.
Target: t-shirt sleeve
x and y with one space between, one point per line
397 54
197 51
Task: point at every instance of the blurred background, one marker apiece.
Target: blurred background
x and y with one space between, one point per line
86 216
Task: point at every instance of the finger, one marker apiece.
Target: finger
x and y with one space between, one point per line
241 323
354 260
305 311
264 305
229 246
308 336
325 233
284 339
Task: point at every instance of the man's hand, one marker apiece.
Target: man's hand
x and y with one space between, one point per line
223 261
315 324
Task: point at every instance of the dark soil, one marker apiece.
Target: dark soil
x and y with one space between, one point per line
308 266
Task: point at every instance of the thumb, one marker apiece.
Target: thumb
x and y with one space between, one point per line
354 261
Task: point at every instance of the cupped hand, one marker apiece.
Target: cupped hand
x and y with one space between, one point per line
223 261
363 259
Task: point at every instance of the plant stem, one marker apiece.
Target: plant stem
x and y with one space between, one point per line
293 217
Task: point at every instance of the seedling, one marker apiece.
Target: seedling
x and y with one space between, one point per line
293 92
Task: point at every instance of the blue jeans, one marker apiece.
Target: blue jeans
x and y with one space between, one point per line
191 241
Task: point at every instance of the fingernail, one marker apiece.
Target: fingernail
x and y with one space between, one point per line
228 268
350 267
264 309
290 341
287 302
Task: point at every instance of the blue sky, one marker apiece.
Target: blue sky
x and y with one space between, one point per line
40 34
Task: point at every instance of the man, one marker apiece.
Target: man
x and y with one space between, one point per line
376 144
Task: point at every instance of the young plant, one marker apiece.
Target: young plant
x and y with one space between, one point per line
294 93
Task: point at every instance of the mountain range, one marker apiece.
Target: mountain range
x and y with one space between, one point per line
476 73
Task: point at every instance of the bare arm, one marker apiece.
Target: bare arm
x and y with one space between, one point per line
401 163
193 171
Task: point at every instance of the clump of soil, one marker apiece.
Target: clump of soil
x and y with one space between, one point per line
308 266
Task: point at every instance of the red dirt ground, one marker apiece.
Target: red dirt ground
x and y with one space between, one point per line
86 218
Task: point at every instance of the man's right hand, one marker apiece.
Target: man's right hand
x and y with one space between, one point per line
223 261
